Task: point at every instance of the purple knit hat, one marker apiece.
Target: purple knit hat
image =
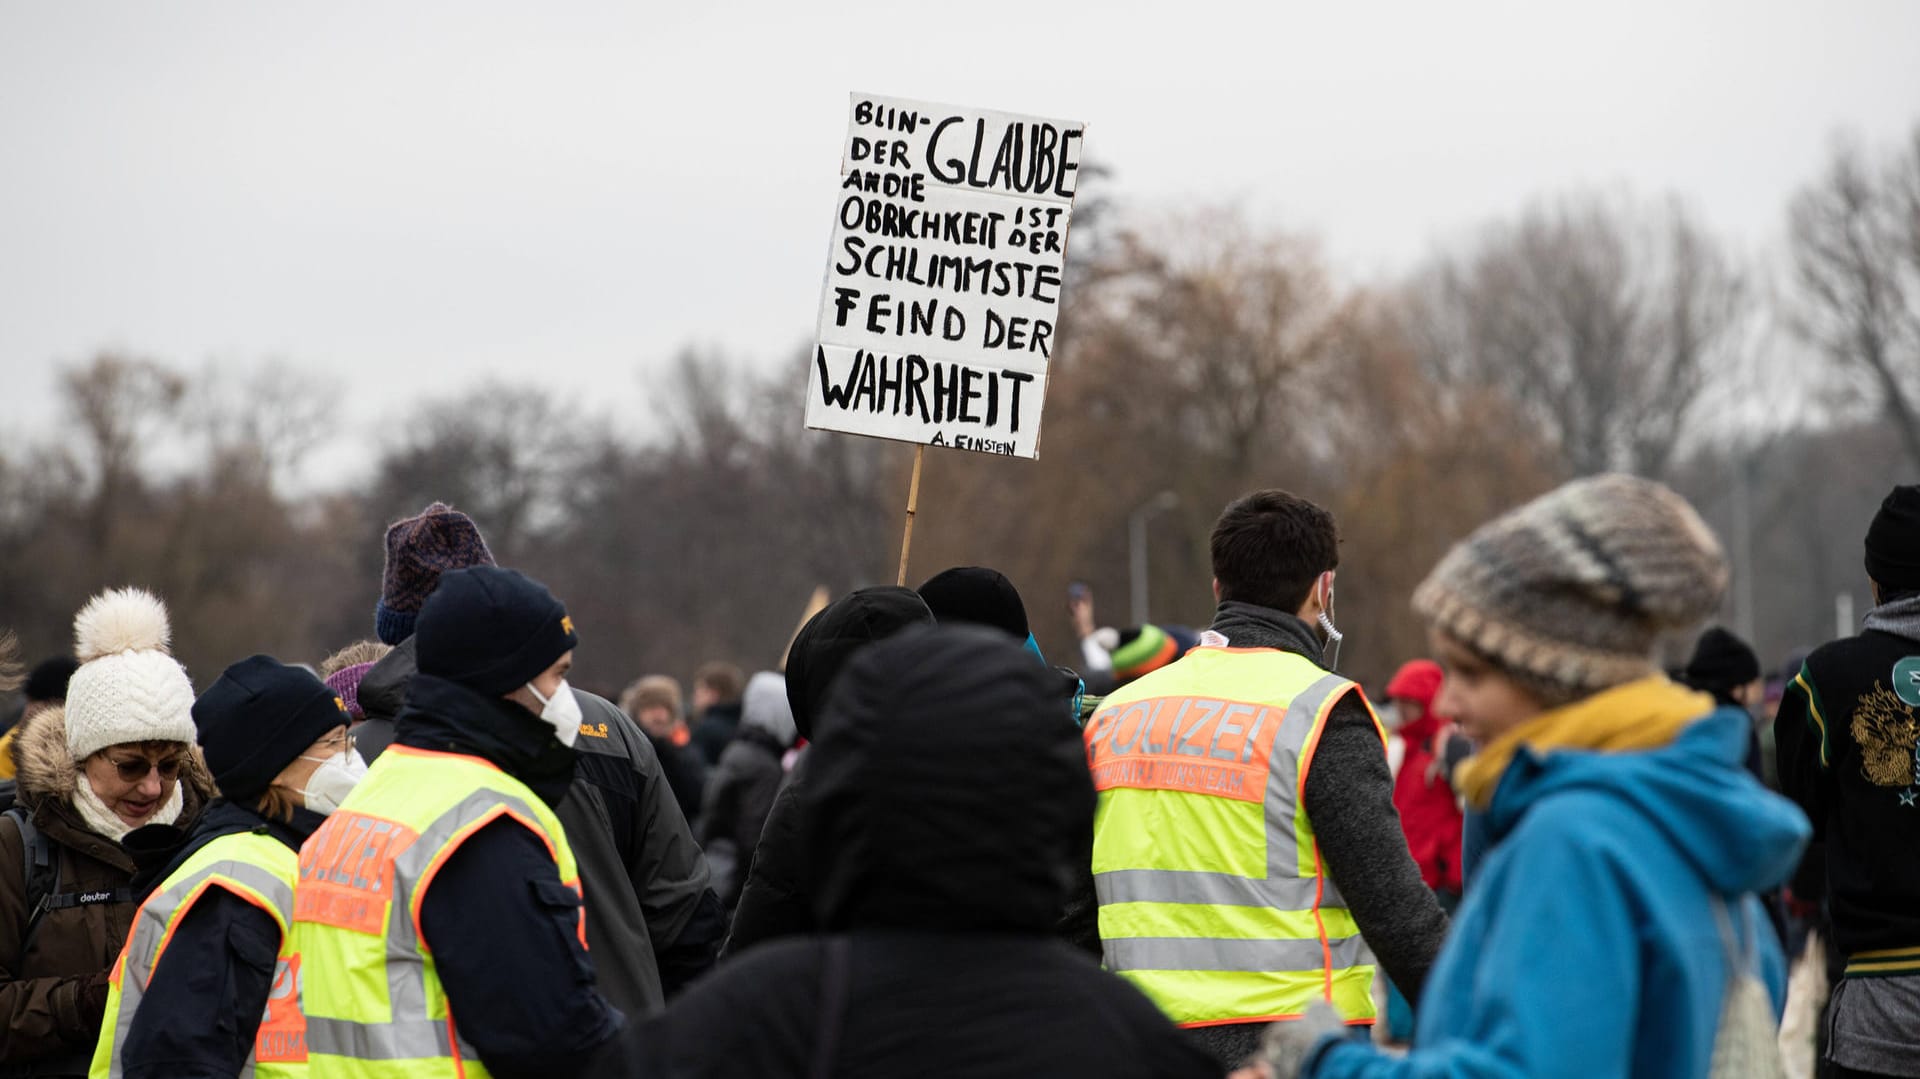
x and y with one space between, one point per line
345 683
419 550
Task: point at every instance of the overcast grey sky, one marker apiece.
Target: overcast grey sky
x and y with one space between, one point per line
406 196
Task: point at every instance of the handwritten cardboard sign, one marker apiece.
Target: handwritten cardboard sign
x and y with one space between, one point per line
943 281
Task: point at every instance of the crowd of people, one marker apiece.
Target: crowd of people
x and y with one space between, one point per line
916 847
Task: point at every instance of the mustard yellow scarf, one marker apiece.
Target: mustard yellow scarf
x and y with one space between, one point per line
1643 714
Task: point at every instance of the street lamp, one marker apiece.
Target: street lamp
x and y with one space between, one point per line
1137 547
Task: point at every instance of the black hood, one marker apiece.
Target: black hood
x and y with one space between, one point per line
976 594
830 638
383 689
947 789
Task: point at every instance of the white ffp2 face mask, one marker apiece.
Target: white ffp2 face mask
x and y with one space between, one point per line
330 783
561 711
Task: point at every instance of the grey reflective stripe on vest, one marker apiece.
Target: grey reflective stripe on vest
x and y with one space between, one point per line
1283 778
412 1034
1201 953
151 927
405 1039
1214 889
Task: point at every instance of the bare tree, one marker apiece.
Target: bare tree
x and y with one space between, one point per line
1215 322
1856 255
266 417
1605 321
502 453
119 402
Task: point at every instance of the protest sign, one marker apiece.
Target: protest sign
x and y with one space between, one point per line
943 281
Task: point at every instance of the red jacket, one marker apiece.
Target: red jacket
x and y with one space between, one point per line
1429 812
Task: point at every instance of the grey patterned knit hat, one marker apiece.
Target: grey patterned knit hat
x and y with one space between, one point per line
1569 593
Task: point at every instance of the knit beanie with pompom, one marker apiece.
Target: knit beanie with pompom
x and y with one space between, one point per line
129 688
1570 593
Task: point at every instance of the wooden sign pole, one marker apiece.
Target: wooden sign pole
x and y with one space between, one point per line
913 504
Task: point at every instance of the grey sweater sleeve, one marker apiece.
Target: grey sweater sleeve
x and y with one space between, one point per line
1349 796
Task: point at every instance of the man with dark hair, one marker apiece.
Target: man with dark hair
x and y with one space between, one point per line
717 688
1247 837
1270 549
1848 731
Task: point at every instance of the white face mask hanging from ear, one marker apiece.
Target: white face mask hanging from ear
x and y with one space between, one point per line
562 711
1327 629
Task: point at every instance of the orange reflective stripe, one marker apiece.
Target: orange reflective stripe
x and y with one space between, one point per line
416 751
575 885
346 871
1319 922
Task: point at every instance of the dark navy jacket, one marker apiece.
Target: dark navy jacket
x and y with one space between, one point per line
203 1008
497 916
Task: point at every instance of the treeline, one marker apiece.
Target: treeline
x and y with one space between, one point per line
1199 355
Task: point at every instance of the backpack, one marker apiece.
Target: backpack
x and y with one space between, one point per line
1746 1044
41 871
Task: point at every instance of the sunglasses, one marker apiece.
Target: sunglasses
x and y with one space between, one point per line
135 770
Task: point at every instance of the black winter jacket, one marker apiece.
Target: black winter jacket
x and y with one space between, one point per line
741 788
686 773
652 921
1848 732
948 793
714 729
203 1007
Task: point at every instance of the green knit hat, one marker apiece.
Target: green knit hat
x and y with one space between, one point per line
1148 649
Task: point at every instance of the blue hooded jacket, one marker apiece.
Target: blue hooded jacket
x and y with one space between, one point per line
1588 945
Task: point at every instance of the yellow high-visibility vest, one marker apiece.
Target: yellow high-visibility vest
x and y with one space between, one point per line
1213 898
374 1003
259 869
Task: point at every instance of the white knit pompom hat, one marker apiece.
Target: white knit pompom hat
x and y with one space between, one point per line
128 687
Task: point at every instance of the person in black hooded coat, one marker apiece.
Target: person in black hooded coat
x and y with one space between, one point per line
946 798
776 899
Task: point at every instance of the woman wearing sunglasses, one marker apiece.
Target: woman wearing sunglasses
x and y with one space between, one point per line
118 756
207 984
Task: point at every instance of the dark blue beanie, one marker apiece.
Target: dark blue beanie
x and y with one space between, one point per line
492 630
257 718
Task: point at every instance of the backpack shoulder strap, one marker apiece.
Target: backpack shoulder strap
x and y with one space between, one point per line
40 871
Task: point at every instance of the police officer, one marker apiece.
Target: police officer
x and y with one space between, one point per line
208 982
438 912
1246 836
